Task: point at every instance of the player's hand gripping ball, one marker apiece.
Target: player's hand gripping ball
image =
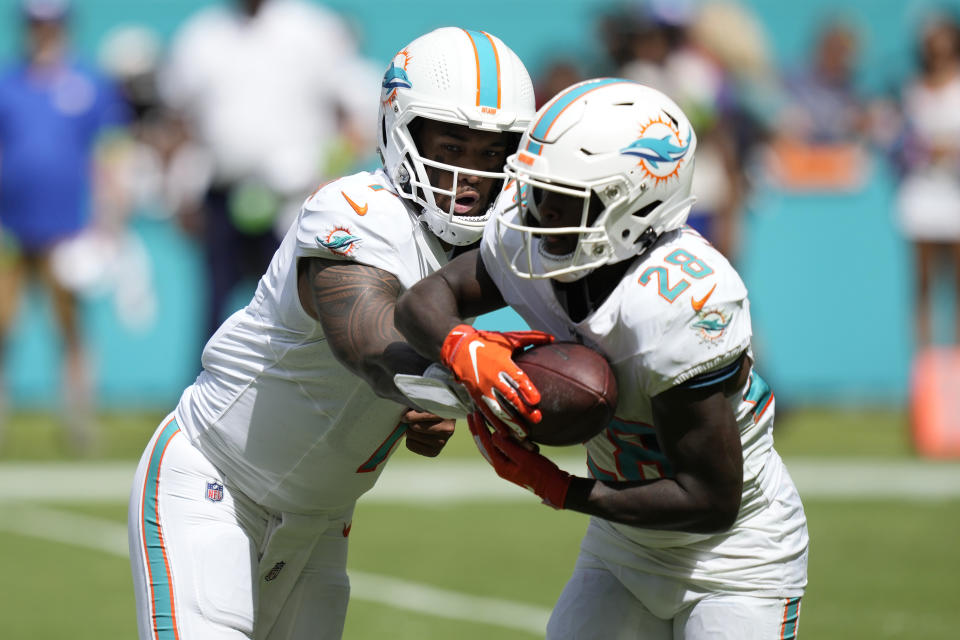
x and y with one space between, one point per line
578 392
482 361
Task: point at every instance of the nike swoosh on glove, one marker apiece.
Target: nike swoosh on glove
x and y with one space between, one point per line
528 469
482 362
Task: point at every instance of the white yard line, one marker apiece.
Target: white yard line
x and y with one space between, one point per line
24 487
110 537
66 528
443 603
839 479
865 478
465 480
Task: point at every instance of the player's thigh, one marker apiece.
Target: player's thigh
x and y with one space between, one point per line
594 604
732 617
317 606
193 546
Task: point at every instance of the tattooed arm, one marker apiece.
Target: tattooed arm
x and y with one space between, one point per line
355 303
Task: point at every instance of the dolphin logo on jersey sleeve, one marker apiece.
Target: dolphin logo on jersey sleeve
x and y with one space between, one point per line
340 241
711 325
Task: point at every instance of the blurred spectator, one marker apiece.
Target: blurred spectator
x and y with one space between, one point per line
558 74
929 197
164 171
276 94
131 54
53 111
109 258
824 105
686 51
824 122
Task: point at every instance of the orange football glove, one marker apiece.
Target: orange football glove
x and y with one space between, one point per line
482 362
528 469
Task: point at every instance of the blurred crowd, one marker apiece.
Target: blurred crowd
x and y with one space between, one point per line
809 129
223 131
226 127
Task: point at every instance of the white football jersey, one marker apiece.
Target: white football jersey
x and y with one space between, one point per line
680 311
273 409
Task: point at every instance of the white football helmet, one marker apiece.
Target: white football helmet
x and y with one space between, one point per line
624 143
453 75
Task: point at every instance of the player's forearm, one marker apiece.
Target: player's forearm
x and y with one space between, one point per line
399 357
356 304
659 504
431 308
376 356
426 313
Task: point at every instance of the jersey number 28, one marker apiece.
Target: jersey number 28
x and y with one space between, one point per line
688 263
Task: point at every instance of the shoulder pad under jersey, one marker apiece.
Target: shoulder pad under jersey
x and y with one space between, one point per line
359 218
688 309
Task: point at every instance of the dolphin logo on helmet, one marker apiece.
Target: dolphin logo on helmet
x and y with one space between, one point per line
617 147
656 150
396 77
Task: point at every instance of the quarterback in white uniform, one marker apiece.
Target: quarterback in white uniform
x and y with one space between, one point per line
243 499
697 530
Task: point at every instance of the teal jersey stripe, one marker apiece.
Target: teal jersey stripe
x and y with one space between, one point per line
164 617
759 394
637 449
791 619
488 69
596 472
562 102
383 451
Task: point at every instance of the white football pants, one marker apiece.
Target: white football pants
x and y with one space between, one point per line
597 605
209 564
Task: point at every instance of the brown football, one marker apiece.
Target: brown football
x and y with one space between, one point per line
578 392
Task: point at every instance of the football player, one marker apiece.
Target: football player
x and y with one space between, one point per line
243 499
697 530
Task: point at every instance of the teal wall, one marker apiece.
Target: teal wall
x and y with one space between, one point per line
829 277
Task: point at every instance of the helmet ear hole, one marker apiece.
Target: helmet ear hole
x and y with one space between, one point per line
596 208
644 211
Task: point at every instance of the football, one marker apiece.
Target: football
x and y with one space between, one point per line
578 392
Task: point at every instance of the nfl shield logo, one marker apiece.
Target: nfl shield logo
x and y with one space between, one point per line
214 491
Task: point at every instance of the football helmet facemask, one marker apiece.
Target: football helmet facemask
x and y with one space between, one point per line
451 75
622 143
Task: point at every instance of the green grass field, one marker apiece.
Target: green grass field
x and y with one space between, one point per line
880 567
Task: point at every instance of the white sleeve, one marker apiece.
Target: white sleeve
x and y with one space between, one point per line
676 342
328 227
683 353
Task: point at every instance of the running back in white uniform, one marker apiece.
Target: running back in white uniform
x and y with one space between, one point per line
273 444
681 311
